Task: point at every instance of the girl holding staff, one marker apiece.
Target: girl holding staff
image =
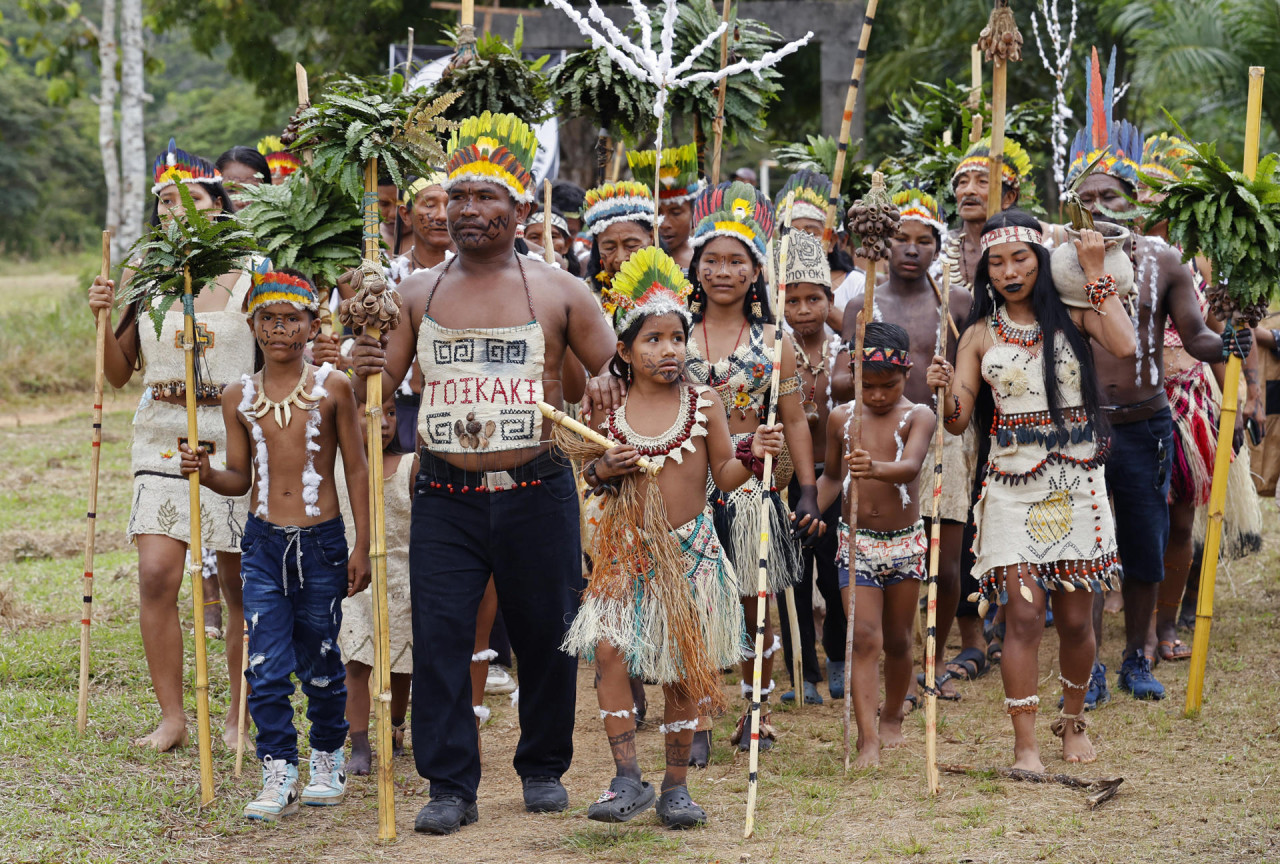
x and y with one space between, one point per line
159 520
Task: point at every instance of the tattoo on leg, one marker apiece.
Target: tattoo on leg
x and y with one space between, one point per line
678 753
623 748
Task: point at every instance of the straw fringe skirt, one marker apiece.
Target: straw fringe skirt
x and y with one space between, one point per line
737 519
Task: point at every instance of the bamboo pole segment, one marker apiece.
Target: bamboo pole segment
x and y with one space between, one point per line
797 661
943 295
242 706
975 73
555 415
466 32
91 515
615 167
846 122
408 61
548 246
304 99
935 560
1222 459
717 125
197 560
1001 42
762 575
378 542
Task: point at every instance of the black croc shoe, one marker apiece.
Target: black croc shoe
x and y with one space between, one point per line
678 811
625 799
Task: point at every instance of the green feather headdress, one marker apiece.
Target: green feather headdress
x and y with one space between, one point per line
493 148
678 180
649 283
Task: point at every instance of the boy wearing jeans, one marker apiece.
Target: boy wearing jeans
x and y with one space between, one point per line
285 425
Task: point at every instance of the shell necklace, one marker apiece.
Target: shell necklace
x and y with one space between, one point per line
688 423
284 408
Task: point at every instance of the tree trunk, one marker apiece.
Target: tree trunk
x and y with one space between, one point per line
133 157
108 55
700 141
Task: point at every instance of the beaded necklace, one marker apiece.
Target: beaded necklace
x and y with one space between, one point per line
688 424
1014 333
808 402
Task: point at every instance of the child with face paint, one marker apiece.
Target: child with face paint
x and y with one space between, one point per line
662 603
887 557
294 560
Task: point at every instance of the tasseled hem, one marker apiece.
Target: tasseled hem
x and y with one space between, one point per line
737 518
1099 574
1195 436
1241 513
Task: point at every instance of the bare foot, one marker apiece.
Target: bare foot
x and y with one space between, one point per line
868 755
1027 759
361 759
891 733
171 733
1114 603
230 734
1076 747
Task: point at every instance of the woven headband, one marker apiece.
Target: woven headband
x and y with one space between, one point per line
1010 234
892 356
538 217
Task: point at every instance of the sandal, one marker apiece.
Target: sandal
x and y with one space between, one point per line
938 682
625 799
973 665
677 810
995 641
1175 650
742 732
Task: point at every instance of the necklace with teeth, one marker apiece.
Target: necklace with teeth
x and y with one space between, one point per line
284 408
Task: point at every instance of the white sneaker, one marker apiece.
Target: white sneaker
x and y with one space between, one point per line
499 681
279 796
328 779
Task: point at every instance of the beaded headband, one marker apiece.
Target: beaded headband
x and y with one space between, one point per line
557 222
272 286
892 356
624 201
493 148
435 178
1010 234
179 166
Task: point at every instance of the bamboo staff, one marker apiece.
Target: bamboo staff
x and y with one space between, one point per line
91 516
943 295
762 575
1222 459
1002 43
846 123
408 61
975 74
935 555
242 707
555 415
615 167
548 247
189 347
717 125
378 540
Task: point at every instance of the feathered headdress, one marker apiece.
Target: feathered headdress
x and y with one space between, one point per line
811 193
281 162
734 209
417 184
649 283
919 207
624 201
272 286
493 148
1015 166
806 260
179 166
678 178
1118 141
1165 156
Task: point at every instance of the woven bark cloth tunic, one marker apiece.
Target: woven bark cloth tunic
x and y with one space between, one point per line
1044 497
161 495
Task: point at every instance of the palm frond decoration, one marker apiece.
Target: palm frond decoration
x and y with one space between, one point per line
497 79
187 242
588 84
818 153
358 119
307 225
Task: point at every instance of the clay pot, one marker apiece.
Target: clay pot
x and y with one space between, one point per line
1068 276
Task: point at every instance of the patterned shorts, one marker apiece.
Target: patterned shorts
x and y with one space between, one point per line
884 557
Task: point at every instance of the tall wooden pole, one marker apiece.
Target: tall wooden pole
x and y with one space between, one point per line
548 245
762 574
717 125
197 559
846 123
1001 42
378 542
91 515
935 560
1222 459
242 706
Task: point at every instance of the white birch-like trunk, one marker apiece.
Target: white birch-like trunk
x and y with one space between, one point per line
108 54
133 158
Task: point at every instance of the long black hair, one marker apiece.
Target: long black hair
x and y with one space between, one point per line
595 265
248 157
757 293
620 368
1052 315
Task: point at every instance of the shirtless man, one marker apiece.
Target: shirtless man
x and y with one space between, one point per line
489 330
908 300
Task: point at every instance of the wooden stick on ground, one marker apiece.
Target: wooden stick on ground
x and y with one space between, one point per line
717 125
846 122
762 575
935 558
242 706
91 515
1102 789
197 560
1222 460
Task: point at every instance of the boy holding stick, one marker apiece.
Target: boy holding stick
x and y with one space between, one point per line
295 564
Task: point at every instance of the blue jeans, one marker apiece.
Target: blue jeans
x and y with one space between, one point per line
294 581
1138 470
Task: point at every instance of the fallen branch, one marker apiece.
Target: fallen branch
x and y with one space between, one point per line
1100 790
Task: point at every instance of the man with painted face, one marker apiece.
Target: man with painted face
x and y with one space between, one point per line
1132 390
908 300
424 209
489 329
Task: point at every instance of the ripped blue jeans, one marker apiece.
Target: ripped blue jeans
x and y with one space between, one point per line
294 581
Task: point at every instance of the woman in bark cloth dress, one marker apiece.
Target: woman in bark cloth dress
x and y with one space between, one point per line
1043 524
731 351
159 520
662 601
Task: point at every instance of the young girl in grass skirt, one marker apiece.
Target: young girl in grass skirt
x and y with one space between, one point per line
662 602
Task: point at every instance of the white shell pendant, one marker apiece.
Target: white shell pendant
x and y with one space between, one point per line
1025 592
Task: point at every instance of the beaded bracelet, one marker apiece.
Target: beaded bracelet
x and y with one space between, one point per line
1099 290
954 415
